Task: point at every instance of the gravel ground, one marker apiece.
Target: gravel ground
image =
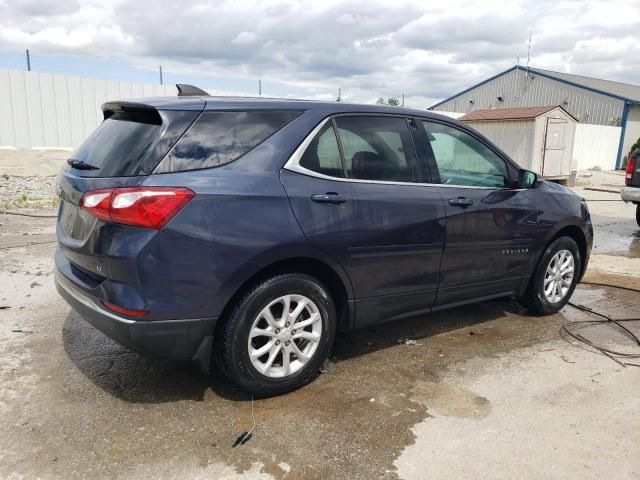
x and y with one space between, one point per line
27 192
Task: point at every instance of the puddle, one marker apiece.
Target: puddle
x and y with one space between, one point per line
450 400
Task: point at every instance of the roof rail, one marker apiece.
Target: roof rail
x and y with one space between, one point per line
186 90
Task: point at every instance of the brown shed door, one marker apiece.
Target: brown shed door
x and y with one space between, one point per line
554 148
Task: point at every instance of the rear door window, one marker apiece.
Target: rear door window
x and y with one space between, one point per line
218 138
377 148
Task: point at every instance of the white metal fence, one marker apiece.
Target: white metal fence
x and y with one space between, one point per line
43 110
596 146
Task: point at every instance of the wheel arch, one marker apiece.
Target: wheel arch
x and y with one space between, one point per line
318 269
577 235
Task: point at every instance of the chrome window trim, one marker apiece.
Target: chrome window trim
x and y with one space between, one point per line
293 165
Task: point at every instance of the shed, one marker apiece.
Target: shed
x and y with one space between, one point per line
538 138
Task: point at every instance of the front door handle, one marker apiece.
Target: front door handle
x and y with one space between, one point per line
332 198
461 202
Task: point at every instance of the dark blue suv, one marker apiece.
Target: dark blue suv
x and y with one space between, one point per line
246 232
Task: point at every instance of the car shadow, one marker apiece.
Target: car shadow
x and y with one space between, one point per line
386 335
134 378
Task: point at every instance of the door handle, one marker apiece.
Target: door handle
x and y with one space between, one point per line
332 198
461 202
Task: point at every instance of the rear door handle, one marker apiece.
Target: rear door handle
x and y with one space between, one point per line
461 202
332 198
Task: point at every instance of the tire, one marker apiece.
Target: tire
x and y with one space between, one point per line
638 214
251 315
535 298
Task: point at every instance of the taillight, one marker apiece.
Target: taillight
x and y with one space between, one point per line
631 166
147 207
128 312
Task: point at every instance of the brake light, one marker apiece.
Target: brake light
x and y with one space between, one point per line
98 203
128 312
147 207
631 166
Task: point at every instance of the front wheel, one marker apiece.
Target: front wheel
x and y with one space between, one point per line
638 214
555 277
278 336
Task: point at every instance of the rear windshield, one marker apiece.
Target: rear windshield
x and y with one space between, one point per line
129 143
218 138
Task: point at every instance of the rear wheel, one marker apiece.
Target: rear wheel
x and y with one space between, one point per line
555 278
278 336
638 214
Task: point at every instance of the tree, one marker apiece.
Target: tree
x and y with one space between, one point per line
634 147
391 101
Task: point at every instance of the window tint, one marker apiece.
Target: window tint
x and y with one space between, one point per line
377 148
119 144
463 160
323 155
218 138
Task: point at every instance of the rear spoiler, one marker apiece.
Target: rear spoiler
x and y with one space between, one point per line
144 113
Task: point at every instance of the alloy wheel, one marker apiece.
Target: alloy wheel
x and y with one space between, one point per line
285 335
559 276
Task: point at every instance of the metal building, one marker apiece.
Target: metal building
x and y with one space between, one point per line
593 102
538 138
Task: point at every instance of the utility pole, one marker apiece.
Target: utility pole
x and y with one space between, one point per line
339 99
403 99
259 87
28 61
160 68
529 51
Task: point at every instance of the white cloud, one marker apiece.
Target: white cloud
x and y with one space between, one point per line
369 49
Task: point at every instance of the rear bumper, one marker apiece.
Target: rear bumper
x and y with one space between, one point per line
184 341
630 194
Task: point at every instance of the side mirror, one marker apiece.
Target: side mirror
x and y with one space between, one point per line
527 178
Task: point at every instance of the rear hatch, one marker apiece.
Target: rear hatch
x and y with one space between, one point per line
126 147
632 174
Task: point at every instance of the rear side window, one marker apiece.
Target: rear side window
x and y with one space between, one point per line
218 138
377 148
323 155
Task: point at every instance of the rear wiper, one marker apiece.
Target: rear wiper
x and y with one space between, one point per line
81 164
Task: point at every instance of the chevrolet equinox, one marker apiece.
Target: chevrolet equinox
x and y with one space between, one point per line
245 232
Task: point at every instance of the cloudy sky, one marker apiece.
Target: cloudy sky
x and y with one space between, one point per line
427 50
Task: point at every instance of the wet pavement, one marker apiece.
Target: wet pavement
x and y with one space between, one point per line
484 391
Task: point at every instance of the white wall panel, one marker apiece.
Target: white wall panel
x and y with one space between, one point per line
20 111
7 122
45 110
75 109
63 112
34 109
49 112
596 146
